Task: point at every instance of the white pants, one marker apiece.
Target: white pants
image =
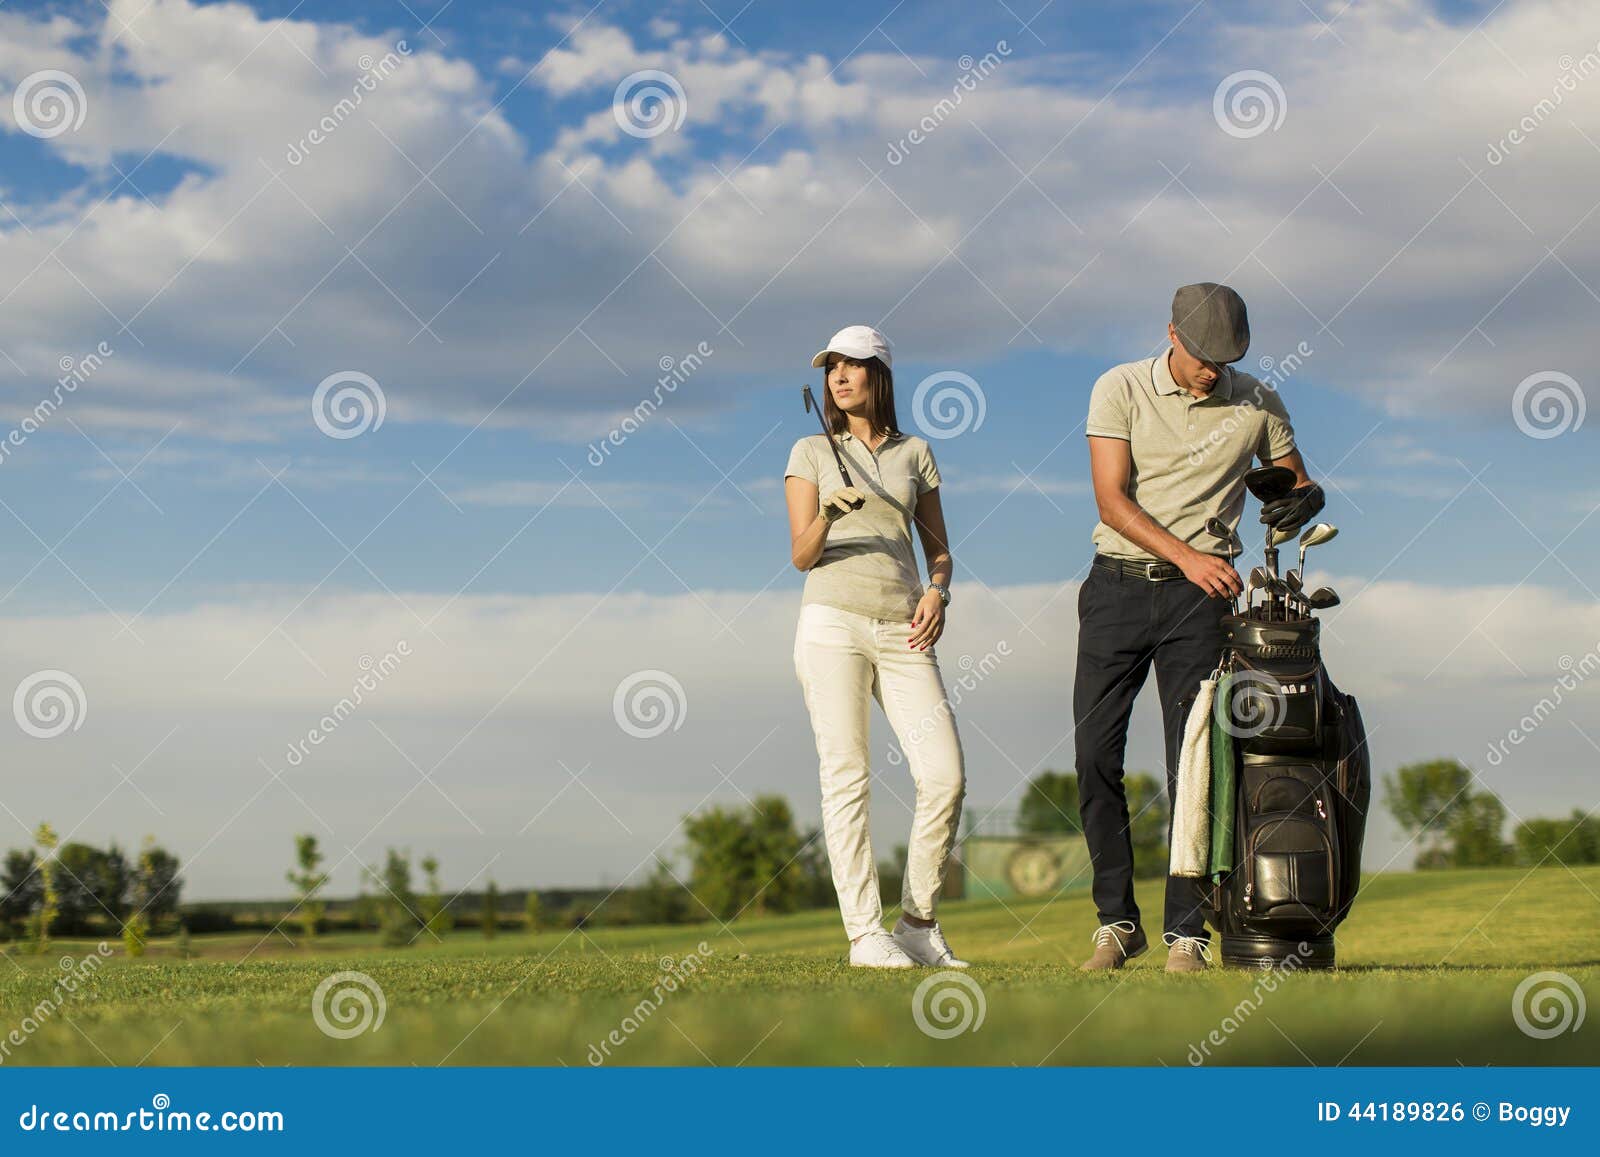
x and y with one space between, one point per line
843 660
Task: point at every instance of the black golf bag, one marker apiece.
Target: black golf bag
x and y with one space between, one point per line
1304 780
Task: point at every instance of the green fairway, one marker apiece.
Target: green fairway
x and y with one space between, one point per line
1430 963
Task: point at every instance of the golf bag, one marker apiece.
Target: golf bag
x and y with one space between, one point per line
1303 782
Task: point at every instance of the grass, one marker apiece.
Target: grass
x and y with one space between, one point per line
1429 965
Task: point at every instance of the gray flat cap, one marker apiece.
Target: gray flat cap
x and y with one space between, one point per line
1211 322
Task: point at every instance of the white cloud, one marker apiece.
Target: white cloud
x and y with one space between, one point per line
503 699
451 304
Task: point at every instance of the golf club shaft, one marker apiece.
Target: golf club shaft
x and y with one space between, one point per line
811 404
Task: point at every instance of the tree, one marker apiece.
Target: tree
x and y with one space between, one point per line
1425 798
308 879
1050 805
21 887
752 859
434 917
49 898
136 928
156 880
93 886
491 911
1475 833
1575 840
533 911
397 903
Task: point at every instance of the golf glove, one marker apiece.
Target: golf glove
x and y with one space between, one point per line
1294 509
842 502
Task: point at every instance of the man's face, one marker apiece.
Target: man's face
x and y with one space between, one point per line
1191 372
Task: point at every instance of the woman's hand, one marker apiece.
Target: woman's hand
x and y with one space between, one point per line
842 502
928 625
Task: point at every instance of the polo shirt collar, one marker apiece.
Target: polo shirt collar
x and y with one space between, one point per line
847 436
1165 383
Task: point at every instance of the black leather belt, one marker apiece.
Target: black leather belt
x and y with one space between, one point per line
1156 572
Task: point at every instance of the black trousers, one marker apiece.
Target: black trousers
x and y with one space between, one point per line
1126 625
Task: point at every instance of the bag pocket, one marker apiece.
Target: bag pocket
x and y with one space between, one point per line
1290 865
1274 706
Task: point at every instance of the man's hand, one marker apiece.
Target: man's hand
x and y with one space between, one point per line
1211 574
842 502
1294 509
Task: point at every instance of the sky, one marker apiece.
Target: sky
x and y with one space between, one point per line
455 348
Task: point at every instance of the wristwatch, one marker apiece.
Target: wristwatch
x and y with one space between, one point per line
944 592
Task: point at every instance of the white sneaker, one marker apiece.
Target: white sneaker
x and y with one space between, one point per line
878 950
927 946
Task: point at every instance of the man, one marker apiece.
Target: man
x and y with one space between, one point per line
1170 440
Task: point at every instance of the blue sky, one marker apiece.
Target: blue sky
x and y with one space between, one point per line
482 239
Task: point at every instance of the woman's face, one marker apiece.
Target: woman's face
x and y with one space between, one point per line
847 379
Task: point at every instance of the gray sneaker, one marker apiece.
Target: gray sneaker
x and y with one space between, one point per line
1115 945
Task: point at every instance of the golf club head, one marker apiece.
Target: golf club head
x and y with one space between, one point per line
1292 580
1322 598
1219 529
1279 537
1269 482
810 401
1318 533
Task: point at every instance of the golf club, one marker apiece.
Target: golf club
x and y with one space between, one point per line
1315 535
1322 598
1267 483
1219 529
1258 581
811 404
1292 581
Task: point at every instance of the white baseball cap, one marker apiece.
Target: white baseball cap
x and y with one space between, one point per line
855 341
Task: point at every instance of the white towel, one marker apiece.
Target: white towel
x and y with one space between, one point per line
1191 815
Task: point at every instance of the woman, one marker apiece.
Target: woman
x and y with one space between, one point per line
867 630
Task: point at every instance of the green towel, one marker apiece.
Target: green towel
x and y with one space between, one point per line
1224 782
